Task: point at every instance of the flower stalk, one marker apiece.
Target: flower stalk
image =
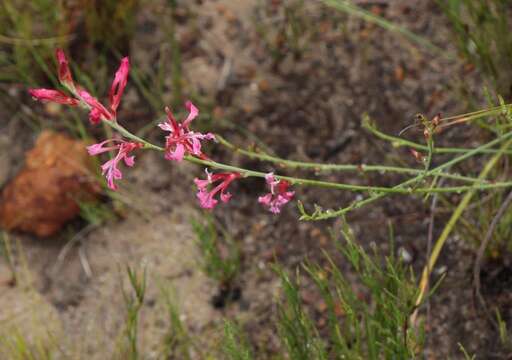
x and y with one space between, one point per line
184 144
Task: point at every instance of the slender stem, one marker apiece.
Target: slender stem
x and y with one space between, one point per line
147 145
461 118
309 182
428 161
298 181
399 142
377 196
430 146
294 164
479 113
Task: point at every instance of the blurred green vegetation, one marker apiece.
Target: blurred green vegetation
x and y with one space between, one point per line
481 30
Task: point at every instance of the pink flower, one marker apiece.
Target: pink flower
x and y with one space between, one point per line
110 169
181 139
52 95
97 110
205 197
278 195
119 83
65 77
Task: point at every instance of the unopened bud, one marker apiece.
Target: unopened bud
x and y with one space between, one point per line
436 120
418 156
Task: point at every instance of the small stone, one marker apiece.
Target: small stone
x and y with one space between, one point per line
58 174
339 310
263 85
440 270
399 73
321 306
53 108
405 255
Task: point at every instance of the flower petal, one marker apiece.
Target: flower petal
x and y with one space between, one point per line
110 169
99 148
196 145
201 184
265 199
111 172
278 195
225 196
52 95
181 139
97 109
206 201
192 113
166 127
177 154
95 116
205 197
271 182
65 77
119 83
129 160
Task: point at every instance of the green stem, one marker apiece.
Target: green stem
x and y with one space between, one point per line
430 146
376 191
399 142
495 110
309 182
331 167
147 145
377 196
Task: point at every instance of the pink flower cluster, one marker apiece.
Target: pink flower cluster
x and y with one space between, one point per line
205 197
180 142
278 195
181 139
97 111
110 169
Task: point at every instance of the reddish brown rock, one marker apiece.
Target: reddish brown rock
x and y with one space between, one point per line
58 174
